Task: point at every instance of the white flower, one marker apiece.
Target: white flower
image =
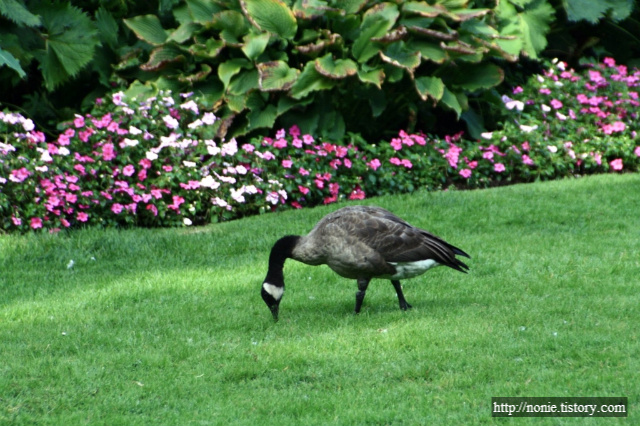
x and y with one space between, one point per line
541 79
545 108
195 124
63 150
528 129
170 122
251 189
552 148
236 194
28 125
273 198
209 182
187 221
190 105
230 148
70 264
242 170
151 156
45 157
209 118
561 116
189 164
42 169
487 135
219 202
2 180
130 142
134 130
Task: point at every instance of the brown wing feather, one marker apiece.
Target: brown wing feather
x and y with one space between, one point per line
394 239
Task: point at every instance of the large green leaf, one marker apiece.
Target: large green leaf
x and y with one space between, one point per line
310 80
594 10
375 23
9 60
107 27
430 87
261 118
254 45
18 13
349 6
184 32
202 11
476 77
271 15
423 8
70 40
431 51
147 28
335 68
276 75
244 83
451 101
226 70
162 56
232 25
371 75
529 25
399 55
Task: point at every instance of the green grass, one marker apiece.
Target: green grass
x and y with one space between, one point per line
167 326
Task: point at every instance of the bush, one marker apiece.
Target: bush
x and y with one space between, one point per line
158 162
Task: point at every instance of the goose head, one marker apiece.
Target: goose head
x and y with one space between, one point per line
273 284
272 295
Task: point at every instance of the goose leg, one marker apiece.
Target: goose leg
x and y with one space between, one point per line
363 283
403 302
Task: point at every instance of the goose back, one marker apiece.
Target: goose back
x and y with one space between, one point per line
366 242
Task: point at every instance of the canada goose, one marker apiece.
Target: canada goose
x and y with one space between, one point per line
361 243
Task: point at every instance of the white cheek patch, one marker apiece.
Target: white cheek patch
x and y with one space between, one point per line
275 291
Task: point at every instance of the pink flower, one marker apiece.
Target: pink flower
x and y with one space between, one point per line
287 164
556 104
128 170
545 91
16 221
280 143
396 143
117 208
499 167
294 131
82 217
465 173
108 152
78 121
472 164
319 183
341 151
308 139
153 209
527 160
248 148
145 163
610 62
374 164
280 134
637 151
303 189
616 164
36 223
357 194
347 163
395 161
167 168
488 155
19 175
406 163
177 201
303 172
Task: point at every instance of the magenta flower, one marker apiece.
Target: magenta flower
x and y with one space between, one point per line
108 152
36 223
499 167
637 151
465 173
19 175
303 172
294 131
357 194
78 121
303 189
153 209
374 164
117 208
556 104
616 164
287 164
280 143
610 62
396 143
82 217
16 221
395 161
128 170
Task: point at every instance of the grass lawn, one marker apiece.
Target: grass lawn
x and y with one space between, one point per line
167 327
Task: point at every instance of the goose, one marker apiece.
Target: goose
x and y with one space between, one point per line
361 243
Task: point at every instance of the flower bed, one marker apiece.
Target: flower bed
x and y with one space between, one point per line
157 163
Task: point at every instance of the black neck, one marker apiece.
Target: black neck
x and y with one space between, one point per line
280 251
